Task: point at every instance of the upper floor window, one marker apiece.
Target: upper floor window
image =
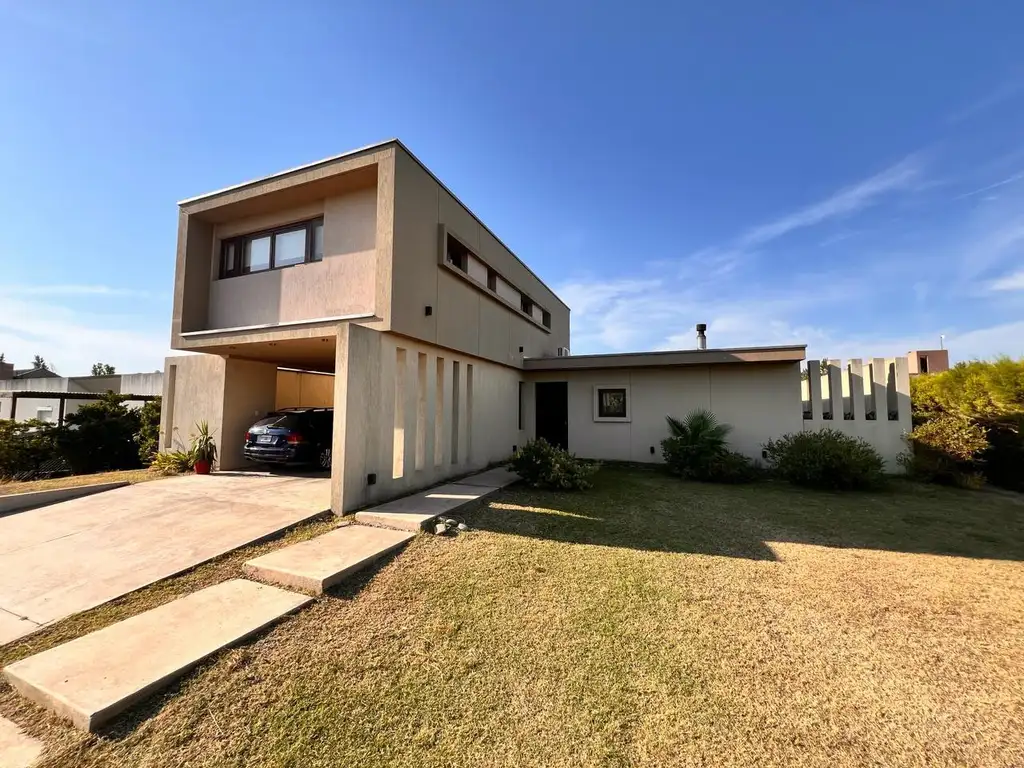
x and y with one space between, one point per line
526 304
457 254
273 249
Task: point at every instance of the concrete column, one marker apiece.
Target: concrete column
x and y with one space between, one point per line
879 379
250 391
855 372
835 389
903 405
357 412
814 387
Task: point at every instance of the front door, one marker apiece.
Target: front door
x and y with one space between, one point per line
552 398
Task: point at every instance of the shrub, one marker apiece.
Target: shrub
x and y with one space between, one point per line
100 436
1002 460
148 436
731 467
826 459
542 465
945 450
25 446
173 462
697 450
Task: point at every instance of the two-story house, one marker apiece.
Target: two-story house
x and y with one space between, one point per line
365 266
446 351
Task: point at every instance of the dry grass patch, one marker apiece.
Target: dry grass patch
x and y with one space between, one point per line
75 481
646 622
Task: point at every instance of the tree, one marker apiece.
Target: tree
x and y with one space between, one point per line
102 369
1 357
39 362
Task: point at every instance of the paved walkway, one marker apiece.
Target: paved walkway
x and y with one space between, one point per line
418 511
66 558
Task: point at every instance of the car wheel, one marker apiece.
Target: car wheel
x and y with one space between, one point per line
325 458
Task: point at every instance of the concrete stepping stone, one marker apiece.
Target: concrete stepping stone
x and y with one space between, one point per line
17 748
91 680
416 512
322 562
499 477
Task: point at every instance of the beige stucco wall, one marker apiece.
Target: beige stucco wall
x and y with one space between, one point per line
342 284
415 450
461 306
759 401
228 394
298 388
884 380
193 391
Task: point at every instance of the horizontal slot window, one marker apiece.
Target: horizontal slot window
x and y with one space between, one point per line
457 255
273 249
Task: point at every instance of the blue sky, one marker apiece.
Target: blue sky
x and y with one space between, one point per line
850 177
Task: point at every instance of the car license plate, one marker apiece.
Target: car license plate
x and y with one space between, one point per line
265 438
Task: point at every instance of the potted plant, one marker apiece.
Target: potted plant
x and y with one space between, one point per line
204 450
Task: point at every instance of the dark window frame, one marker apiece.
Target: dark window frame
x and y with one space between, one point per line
241 242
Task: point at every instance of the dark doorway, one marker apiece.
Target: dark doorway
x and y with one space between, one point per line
553 412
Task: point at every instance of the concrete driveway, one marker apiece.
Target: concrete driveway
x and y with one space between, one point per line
75 555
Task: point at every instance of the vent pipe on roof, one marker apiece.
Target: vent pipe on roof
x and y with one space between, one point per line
702 340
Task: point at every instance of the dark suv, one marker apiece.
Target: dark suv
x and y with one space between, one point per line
292 436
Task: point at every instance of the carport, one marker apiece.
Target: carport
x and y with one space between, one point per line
234 385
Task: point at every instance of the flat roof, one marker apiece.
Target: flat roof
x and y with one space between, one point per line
726 356
361 150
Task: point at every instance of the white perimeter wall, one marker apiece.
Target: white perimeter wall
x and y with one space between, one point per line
760 401
405 413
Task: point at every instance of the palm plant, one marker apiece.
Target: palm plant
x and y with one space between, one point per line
697 440
701 429
203 446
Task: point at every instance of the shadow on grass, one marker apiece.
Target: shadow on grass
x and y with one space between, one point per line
646 509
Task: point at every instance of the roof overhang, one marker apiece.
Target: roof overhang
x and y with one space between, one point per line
732 356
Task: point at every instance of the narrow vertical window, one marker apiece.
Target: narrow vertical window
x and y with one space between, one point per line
455 412
521 385
469 412
421 411
439 414
317 246
398 448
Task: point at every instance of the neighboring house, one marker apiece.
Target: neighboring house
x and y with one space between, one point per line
928 361
447 352
50 397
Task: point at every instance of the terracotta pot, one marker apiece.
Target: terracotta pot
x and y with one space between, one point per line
202 467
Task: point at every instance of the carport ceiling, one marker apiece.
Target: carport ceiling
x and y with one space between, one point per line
315 354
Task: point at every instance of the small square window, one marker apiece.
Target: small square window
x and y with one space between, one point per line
611 403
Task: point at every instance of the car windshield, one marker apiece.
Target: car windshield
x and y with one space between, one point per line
283 420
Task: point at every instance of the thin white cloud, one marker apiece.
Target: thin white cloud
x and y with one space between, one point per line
1013 282
72 340
901 176
993 98
1003 183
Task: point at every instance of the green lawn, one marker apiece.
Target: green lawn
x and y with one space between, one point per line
74 481
644 622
